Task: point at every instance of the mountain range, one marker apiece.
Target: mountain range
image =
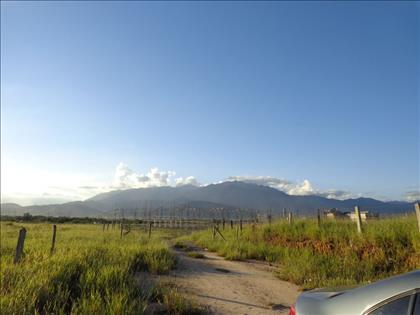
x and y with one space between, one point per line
230 196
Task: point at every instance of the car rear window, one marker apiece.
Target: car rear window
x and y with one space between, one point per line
395 307
417 305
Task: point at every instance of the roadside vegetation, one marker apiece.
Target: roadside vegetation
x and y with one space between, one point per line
90 272
331 254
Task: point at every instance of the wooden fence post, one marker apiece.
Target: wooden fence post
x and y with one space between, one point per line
19 246
121 230
214 232
417 207
319 218
150 229
290 218
231 224
220 233
240 224
53 238
358 219
223 223
103 228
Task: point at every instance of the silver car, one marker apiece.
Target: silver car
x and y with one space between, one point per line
399 295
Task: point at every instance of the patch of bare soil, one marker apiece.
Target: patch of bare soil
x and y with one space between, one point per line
232 287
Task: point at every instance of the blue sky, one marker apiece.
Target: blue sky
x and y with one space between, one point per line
317 91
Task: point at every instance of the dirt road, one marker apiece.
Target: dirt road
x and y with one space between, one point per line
232 287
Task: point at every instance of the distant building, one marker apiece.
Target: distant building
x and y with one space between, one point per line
364 215
334 214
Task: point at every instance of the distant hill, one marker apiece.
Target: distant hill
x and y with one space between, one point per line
228 195
12 209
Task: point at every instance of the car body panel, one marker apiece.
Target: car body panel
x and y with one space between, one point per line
356 301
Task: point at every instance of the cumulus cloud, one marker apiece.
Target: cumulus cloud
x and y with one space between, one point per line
293 188
303 188
337 194
412 195
289 187
125 177
190 180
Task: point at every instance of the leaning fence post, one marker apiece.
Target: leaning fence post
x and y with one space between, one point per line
220 233
53 238
417 207
358 219
19 246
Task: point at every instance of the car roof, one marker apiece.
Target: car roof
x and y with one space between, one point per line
362 299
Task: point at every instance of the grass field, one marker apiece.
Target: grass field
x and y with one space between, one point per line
97 272
329 255
90 272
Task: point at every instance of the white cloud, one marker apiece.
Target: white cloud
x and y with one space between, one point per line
338 194
287 186
190 180
303 188
412 195
127 178
293 188
280 184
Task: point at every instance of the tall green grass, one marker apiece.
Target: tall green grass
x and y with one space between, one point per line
329 255
91 271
